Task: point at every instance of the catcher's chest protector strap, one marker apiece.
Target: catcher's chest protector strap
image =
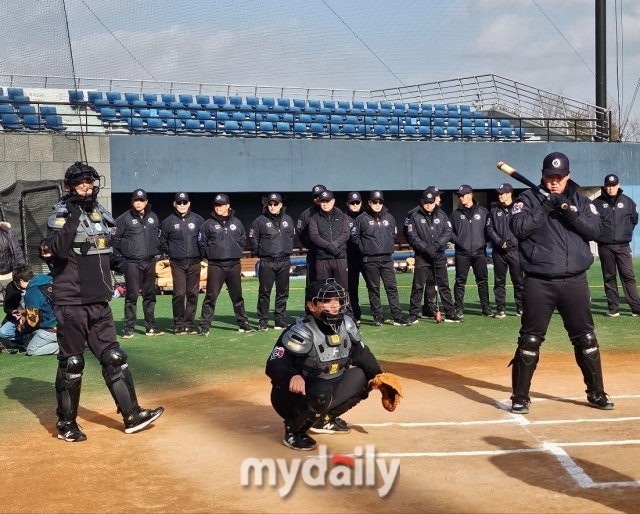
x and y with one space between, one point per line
329 355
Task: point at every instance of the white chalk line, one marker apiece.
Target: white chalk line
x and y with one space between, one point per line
515 419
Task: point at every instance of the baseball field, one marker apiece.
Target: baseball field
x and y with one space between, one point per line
459 447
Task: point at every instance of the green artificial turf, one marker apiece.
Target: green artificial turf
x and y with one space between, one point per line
172 362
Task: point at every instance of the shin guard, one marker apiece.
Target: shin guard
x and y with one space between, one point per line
308 412
68 386
524 364
117 376
587 352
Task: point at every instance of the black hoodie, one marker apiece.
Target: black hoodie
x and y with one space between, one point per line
137 236
221 239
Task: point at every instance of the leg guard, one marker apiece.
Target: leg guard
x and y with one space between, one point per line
68 385
524 364
308 412
117 376
349 404
587 352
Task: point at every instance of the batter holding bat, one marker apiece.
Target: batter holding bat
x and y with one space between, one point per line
554 223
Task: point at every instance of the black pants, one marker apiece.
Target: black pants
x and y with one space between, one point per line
570 296
429 303
477 261
354 270
423 275
347 385
79 324
186 284
501 262
311 266
619 256
140 275
373 272
270 272
336 269
216 277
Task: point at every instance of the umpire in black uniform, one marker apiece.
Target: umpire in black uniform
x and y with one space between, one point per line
221 241
271 237
374 232
505 252
179 240
469 235
137 238
78 236
354 258
619 215
428 232
302 228
554 235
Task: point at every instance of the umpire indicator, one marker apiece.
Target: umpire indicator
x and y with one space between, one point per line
555 255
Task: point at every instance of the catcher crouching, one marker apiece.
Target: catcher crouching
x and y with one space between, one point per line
320 368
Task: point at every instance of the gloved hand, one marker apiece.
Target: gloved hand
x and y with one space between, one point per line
333 250
72 206
570 214
504 245
432 251
558 201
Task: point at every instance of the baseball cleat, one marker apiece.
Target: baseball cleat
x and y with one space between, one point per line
600 400
141 419
70 431
330 425
300 442
520 405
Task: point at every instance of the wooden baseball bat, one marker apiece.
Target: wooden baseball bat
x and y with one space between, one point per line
505 168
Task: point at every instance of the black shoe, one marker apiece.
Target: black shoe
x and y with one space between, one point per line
487 313
263 326
280 325
500 315
600 400
154 332
70 431
401 322
180 331
245 327
428 314
298 441
520 404
612 314
460 313
140 420
328 424
191 331
127 334
204 332
377 322
453 318
519 313
413 320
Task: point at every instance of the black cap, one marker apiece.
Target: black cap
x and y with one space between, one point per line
555 163
181 197
428 196
317 189
325 196
464 189
376 195
325 289
221 199
139 194
354 196
434 190
611 180
274 197
505 188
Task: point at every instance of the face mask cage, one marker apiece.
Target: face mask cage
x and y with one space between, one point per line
78 173
329 291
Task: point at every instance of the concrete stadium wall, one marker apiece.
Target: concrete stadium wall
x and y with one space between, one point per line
46 156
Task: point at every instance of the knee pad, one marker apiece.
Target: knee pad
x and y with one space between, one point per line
114 360
529 347
588 343
71 367
117 376
319 402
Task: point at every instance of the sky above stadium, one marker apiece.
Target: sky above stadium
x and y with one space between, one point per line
356 44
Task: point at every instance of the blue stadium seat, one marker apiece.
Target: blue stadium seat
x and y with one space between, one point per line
185 99
313 106
301 104
413 113
364 130
165 114
284 102
467 132
369 120
4 99
138 105
306 118
383 111
322 118
283 128
235 100
211 126
252 101
47 110
238 116
223 115
295 110
268 101
175 125
229 107
410 130
168 98
92 96
334 129
54 123
249 127
344 105
414 106
381 120
12 92
373 105
183 114
380 130
386 105
453 127
317 129
478 114
266 127
495 133
112 96
494 123
280 109
466 114
427 110
400 108
507 132
505 123
394 130
480 130
144 113
370 112
201 115
340 110
106 114
329 104
246 107
335 119
424 130
438 131
357 105
352 120
467 122
439 107
126 114
211 107
21 100
120 104
300 128
33 122
7 109
219 100
1 91
273 118
520 133
193 126
439 113
149 97
438 122
131 97
157 104
76 97
11 122
287 118
202 99
252 116
349 129
452 110
261 108
155 125
394 120
136 125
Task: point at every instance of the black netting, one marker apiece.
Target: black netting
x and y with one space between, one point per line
36 209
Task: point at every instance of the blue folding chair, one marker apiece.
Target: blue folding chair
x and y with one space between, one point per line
317 129
211 126
283 128
11 122
202 100
266 127
193 126
249 127
54 123
76 97
33 122
12 92
185 99
149 97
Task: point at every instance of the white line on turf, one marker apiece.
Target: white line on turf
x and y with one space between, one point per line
515 418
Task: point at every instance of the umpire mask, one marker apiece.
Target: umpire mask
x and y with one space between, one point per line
323 291
75 174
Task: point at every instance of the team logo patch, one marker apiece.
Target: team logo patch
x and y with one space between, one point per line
181 195
299 225
354 230
593 208
217 226
33 317
407 222
251 232
476 216
232 226
575 209
499 214
98 226
620 205
269 224
410 228
176 225
555 163
449 224
436 221
134 222
611 178
113 231
285 224
423 221
191 225
385 222
150 220
517 207
463 217
277 353
371 222
429 195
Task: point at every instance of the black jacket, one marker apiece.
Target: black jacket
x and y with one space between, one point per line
498 229
303 226
221 239
12 300
353 252
550 246
10 252
329 233
272 236
179 237
619 216
428 233
468 225
375 233
137 236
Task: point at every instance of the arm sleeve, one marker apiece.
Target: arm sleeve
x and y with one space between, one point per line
446 234
345 234
314 236
254 237
491 233
363 358
116 239
355 234
34 314
414 239
203 239
588 223
303 231
242 235
60 240
15 249
526 218
634 214
282 366
164 247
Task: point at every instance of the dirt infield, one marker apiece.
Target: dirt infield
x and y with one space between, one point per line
458 449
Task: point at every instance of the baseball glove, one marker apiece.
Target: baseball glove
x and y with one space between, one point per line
390 388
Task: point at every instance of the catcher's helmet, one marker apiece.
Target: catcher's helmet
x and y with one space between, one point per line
78 172
324 290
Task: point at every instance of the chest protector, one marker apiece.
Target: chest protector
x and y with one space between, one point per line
325 356
93 235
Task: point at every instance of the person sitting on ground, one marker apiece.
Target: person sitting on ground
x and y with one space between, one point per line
14 303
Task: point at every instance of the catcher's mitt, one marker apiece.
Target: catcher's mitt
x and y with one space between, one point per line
390 387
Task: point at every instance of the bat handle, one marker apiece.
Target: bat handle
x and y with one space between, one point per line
564 206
